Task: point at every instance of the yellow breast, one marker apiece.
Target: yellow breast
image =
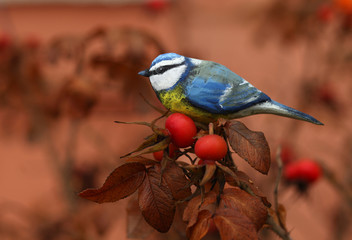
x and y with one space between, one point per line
175 100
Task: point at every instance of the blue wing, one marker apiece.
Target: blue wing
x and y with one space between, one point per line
216 89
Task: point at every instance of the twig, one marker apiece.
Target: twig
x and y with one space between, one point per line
211 128
69 161
153 126
279 229
151 105
278 179
136 123
185 153
281 232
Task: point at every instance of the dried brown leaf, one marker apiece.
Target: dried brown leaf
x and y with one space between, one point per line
176 181
243 181
208 174
249 145
156 201
227 170
121 183
233 225
149 141
142 160
240 215
248 205
137 227
200 229
196 205
158 146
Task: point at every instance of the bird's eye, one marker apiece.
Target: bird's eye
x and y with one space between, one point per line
159 70
162 69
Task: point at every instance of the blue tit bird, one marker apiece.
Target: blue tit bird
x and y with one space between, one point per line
207 91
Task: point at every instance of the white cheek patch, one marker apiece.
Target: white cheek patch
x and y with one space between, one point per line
168 79
168 62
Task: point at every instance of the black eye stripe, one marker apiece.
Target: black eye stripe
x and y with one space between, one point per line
162 69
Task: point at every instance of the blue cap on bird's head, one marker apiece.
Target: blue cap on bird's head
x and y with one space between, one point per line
162 57
166 57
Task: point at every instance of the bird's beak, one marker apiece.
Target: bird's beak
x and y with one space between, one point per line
145 73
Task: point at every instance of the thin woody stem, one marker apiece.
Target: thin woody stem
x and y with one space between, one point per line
152 106
276 228
211 128
278 179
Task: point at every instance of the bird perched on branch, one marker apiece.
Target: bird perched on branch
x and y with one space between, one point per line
207 91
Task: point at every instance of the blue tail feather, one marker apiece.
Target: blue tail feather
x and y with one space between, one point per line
293 113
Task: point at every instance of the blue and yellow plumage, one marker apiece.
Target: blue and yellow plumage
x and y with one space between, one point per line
207 91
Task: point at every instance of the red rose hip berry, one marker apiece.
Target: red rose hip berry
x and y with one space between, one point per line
182 129
159 154
211 147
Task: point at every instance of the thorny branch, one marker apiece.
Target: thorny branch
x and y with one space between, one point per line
278 179
278 228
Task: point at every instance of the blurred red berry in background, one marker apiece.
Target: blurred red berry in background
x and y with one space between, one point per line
5 41
304 170
325 13
287 154
157 5
326 95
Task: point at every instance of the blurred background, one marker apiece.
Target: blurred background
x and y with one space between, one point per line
68 69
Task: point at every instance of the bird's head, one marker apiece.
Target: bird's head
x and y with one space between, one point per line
167 70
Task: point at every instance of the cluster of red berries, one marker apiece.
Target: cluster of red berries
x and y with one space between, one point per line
182 129
211 148
302 172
